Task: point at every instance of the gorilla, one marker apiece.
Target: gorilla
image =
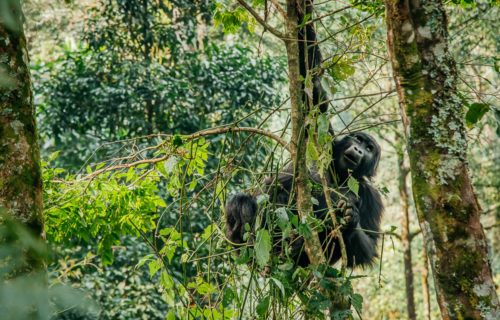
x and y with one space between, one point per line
356 155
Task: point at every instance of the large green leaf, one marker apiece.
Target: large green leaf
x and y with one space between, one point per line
475 113
262 247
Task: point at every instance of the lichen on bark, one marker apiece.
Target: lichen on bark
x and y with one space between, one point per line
432 113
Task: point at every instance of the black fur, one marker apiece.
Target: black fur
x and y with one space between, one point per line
357 153
308 48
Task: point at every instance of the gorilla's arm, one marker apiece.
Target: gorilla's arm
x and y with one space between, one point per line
361 246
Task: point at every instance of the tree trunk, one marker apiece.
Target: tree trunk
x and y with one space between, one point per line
298 146
299 111
426 79
425 285
20 172
406 237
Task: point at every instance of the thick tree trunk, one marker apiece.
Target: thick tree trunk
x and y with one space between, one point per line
20 173
406 238
448 211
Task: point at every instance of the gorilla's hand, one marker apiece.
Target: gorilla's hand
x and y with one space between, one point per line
350 212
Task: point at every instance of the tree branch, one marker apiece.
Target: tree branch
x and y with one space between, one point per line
262 22
329 14
187 138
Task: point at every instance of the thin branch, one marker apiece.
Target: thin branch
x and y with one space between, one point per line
241 129
262 22
348 27
188 138
329 14
492 226
279 8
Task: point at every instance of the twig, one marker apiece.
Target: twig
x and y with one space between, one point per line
329 14
279 8
348 27
262 22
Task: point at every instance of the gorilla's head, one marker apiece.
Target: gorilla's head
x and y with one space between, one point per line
358 153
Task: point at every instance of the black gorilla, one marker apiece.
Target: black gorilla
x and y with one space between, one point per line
310 60
357 154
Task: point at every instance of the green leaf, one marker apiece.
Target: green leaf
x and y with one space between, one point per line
314 201
154 266
53 155
281 217
170 163
305 230
304 21
227 297
177 141
319 301
323 127
263 306
160 202
144 260
357 302
312 153
295 220
287 266
279 285
205 288
262 247
166 280
475 113
207 233
353 185
244 257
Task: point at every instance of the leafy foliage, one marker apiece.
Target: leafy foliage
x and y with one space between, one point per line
145 71
82 104
141 30
24 293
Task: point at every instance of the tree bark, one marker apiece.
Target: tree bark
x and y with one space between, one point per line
299 111
425 285
20 172
406 237
313 247
426 78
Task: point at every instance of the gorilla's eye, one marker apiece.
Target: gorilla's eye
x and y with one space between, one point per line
369 148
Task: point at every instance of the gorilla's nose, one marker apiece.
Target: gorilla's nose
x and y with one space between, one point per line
354 154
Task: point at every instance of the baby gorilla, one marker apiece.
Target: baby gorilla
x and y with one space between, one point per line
356 154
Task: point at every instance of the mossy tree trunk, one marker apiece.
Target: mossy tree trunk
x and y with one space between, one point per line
426 79
298 144
20 172
299 113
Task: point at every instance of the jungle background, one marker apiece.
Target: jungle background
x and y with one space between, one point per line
113 80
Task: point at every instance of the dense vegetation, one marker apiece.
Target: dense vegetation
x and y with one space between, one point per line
140 105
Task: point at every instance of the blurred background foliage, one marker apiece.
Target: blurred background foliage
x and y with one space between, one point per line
107 70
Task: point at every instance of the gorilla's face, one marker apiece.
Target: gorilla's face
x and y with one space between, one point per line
358 153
